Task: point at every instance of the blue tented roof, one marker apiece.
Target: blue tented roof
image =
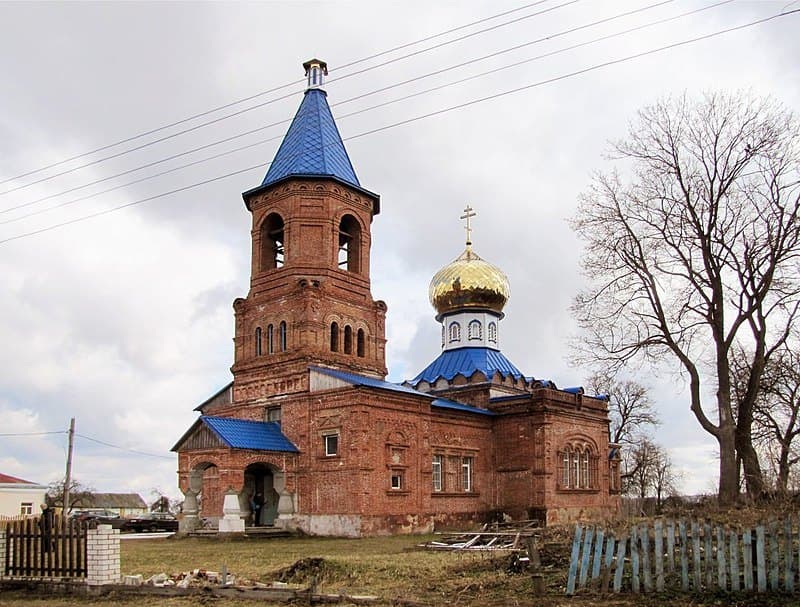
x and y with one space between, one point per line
466 361
246 434
312 146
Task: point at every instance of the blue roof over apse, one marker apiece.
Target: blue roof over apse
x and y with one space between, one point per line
372 382
246 434
466 361
312 145
446 403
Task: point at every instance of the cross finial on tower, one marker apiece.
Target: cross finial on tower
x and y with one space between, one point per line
468 212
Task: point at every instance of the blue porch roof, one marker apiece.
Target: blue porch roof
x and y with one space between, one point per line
246 434
466 361
312 146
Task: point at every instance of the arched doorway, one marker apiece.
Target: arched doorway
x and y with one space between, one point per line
259 480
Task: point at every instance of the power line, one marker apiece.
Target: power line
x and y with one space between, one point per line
100 442
379 90
422 117
15 434
272 90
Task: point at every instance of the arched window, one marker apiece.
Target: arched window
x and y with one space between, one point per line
282 336
578 467
349 244
270 340
334 337
493 332
360 345
475 330
258 341
455 332
272 250
348 340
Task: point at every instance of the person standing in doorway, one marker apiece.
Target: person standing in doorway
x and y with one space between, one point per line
258 506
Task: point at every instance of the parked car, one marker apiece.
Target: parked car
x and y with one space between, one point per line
152 521
99 517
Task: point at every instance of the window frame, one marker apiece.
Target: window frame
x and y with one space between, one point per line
398 476
270 417
437 478
326 444
466 474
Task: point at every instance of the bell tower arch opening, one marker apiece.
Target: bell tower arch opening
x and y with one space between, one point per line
272 242
350 244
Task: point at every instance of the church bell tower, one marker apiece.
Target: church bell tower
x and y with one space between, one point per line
309 301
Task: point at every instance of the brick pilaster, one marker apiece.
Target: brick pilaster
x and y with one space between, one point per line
102 556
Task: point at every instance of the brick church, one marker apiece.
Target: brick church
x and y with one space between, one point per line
310 428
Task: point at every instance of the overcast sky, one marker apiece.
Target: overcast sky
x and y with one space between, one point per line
124 321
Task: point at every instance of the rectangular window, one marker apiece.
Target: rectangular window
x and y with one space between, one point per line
26 508
273 414
331 444
438 460
397 480
466 474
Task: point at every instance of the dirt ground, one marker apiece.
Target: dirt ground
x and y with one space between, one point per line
392 568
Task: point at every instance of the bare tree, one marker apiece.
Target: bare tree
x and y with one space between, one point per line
629 407
697 251
640 465
776 412
79 494
665 478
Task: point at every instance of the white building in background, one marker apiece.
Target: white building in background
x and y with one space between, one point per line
19 497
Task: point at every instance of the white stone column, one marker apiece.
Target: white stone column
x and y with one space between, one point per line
102 556
232 522
191 519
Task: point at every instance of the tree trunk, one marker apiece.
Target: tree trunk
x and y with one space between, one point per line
783 471
753 475
728 467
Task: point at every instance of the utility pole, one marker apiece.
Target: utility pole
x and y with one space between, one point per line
68 476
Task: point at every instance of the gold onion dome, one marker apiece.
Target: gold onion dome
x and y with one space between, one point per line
469 282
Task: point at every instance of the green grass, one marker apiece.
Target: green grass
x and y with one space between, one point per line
389 567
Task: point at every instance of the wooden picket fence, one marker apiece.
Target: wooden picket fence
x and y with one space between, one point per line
34 551
686 555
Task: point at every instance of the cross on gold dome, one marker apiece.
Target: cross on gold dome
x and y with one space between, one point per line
468 212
